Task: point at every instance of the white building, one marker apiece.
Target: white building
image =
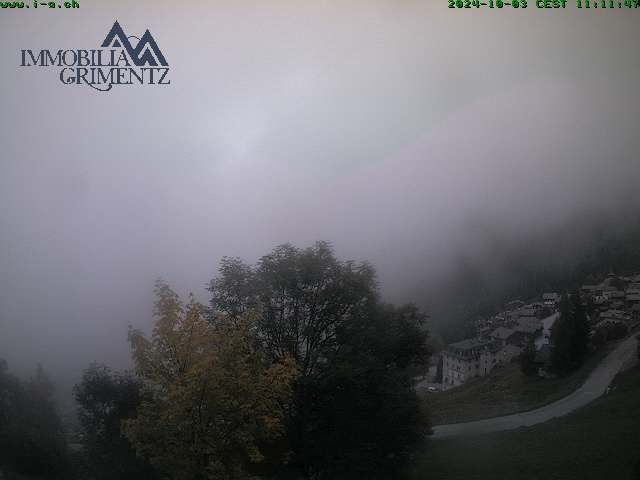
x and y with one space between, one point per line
551 299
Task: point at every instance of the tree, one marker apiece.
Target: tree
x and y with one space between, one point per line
561 335
580 344
528 359
31 437
570 335
105 400
305 295
235 288
366 378
212 400
353 352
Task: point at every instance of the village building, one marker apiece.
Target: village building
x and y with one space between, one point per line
591 290
527 329
600 299
617 305
551 299
632 297
468 359
528 311
514 305
609 322
508 353
502 335
529 326
613 295
614 315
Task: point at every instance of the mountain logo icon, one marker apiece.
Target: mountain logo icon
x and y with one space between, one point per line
146 51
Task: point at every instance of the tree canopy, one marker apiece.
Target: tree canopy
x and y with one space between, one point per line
353 353
295 370
31 437
105 399
306 296
211 398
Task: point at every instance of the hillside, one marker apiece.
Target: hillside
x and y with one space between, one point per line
599 441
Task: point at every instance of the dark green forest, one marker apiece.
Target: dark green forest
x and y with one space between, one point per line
583 250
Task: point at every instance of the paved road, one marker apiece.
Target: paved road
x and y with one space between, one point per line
593 388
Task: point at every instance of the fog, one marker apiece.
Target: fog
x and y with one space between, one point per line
405 133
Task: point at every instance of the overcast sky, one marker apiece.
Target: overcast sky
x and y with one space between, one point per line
389 128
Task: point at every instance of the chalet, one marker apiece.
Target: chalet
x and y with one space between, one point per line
527 329
514 305
528 311
613 295
502 335
614 315
607 330
591 290
617 305
529 325
541 310
609 322
551 299
632 297
600 299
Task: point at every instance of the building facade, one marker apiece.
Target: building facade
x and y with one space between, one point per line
468 359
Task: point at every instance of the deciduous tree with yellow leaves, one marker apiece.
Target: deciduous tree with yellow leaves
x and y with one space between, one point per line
212 399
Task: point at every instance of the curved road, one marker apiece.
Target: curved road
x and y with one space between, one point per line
593 388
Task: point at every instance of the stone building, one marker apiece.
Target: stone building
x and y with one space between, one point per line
467 359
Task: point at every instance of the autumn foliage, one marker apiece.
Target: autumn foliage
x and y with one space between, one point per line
213 399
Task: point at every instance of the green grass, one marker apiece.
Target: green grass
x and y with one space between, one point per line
599 441
506 390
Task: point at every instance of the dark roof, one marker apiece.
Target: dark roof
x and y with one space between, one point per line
528 325
615 314
468 344
515 302
608 321
511 349
590 287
